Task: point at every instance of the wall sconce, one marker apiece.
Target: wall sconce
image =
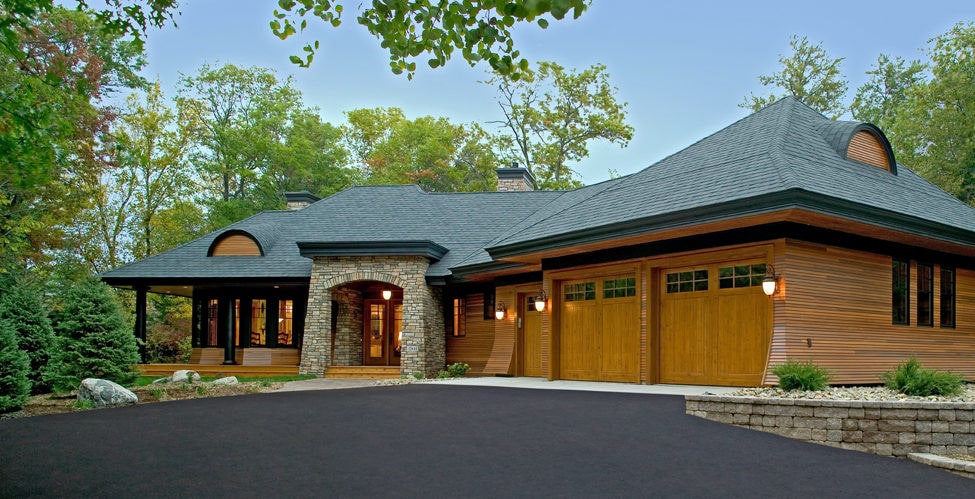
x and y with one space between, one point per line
500 310
770 281
387 294
540 300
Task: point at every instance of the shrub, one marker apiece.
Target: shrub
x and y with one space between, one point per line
14 367
22 307
796 375
910 378
458 369
93 339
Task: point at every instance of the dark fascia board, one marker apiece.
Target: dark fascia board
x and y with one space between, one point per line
485 268
778 201
429 249
135 282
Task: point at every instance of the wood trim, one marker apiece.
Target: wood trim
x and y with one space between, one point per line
865 147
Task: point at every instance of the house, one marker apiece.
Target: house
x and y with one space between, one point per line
655 277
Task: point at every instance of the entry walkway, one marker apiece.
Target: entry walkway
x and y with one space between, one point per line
529 383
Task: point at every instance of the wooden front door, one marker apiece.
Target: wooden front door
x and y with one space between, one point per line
529 336
714 324
382 332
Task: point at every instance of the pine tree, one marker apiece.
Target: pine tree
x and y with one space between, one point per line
14 365
93 339
22 307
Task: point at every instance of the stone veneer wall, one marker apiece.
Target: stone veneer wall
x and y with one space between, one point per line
424 348
884 428
348 327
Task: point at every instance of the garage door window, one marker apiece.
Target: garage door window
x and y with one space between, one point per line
619 288
687 281
580 291
741 276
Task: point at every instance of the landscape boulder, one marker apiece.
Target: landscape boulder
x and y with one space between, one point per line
104 393
229 380
185 376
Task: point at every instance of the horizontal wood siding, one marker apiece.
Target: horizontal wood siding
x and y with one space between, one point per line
474 348
866 148
237 244
834 307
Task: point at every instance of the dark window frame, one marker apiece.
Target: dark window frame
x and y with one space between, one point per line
925 294
901 292
948 297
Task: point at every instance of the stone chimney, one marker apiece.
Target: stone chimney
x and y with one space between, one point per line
298 200
515 178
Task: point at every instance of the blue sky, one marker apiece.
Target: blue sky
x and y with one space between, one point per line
682 67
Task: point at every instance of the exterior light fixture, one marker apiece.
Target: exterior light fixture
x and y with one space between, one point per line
387 294
540 300
500 310
768 284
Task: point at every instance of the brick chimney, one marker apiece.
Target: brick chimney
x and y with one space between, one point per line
515 178
298 200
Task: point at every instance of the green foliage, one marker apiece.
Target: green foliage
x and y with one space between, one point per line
14 368
797 375
23 309
458 369
481 31
911 378
93 339
84 405
168 335
418 375
877 101
810 75
550 117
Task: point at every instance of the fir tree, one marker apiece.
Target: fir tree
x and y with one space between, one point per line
14 365
93 339
22 307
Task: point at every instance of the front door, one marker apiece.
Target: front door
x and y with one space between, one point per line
382 332
529 336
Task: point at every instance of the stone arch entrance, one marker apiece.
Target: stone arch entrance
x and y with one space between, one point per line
339 288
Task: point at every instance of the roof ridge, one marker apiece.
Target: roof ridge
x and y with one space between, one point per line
776 146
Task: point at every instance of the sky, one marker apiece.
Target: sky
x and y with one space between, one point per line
681 67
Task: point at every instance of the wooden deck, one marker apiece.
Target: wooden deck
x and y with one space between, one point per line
362 372
251 362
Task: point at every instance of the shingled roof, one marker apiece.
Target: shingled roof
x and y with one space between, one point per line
786 155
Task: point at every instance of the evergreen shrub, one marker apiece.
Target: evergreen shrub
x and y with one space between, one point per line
21 305
93 339
911 378
14 367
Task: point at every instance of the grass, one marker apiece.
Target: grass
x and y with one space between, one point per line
147 380
911 378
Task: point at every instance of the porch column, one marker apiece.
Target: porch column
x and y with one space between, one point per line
316 348
229 356
140 321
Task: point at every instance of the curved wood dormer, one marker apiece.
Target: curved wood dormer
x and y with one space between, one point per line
235 243
861 142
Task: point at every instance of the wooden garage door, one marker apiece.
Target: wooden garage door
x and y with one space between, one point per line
714 324
600 338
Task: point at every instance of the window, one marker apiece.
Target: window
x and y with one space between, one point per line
580 291
619 288
687 281
741 276
900 290
286 322
947 297
925 294
460 318
213 311
258 322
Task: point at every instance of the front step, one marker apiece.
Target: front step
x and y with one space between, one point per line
362 372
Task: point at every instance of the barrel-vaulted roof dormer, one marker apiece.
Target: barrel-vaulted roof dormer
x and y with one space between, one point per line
256 241
861 142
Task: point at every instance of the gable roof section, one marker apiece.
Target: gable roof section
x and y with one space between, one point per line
774 159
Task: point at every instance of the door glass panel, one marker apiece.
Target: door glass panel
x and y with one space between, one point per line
213 310
377 330
398 328
285 321
258 322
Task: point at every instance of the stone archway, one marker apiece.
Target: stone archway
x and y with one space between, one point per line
423 326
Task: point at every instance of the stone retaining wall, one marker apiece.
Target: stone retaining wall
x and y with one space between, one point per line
884 428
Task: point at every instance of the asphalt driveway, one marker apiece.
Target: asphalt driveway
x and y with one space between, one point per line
434 441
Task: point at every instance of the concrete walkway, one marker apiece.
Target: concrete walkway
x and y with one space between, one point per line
529 383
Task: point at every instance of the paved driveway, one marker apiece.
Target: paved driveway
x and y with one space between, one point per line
434 441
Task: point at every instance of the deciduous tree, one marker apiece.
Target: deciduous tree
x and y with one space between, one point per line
480 31
810 75
552 115
877 101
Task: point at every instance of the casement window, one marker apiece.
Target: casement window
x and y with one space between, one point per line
925 294
900 292
947 297
460 318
